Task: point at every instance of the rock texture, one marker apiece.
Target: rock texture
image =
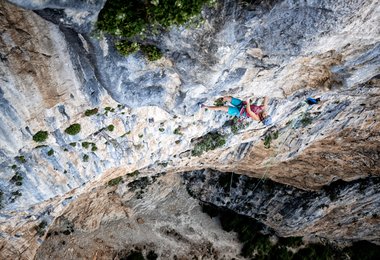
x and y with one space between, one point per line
328 213
147 214
53 69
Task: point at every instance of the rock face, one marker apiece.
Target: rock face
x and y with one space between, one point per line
150 214
328 213
53 69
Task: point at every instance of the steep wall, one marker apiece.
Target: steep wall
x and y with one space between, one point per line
53 69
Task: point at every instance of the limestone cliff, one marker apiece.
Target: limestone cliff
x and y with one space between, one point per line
146 118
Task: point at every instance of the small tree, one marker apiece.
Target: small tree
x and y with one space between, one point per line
73 129
40 136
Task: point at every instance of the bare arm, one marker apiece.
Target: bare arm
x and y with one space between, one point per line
249 111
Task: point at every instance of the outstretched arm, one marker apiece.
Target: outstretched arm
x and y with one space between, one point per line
222 108
249 111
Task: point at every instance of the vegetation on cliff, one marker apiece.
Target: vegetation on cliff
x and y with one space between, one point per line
137 18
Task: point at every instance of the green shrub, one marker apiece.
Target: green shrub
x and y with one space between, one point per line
293 242
130 18
151 52
40 136
115 181
136 19
90 112
133 174
85 158
73 144
50 152
208 142
20 159
267 141
41 228
161 129
177 131
135 255
177 141
16 193
110 128
237 125
109 109
17 179
306 119
151 255
85 144
275 135
126 48
73 129
163 164
14 166
141 135
94 148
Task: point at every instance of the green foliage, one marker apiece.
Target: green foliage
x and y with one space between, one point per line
73 129
16 193
90 112
317 252
41 228
177 131
126 48
115 181
293 242
161 129
151 255
135 255
219 102
109 109
133 174
275 135
208 142
141 135
110 128
20 159
73 144
50 152
151 52
14 166
40 136
85 144
269 137
267 141
163 164
363 250
177 141
237 125
85 157
134 17
17 179
306 119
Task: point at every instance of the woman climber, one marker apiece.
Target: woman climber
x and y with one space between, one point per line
240 108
